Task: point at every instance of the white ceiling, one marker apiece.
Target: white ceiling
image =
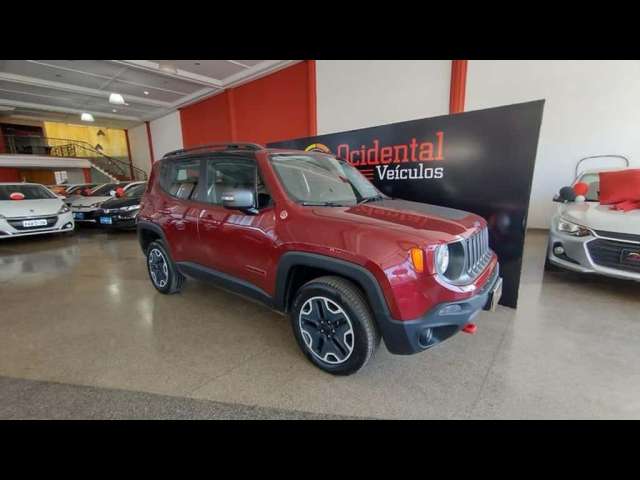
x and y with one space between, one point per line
60 90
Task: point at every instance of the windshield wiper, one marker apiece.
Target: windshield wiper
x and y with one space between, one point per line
371 199
323 204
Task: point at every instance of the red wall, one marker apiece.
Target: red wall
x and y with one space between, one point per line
9 174
279 106
206 121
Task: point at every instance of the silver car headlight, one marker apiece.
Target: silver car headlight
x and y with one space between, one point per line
64 209
573 229
130 208
442 258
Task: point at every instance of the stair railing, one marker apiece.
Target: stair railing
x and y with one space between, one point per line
59 147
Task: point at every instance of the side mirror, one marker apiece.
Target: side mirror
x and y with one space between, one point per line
239 200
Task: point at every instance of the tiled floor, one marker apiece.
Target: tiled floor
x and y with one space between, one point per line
80 310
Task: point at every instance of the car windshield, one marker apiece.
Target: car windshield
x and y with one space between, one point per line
103 190
593 180
135 191
317 179
78 188
30 192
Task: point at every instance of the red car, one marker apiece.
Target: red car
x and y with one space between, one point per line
310 236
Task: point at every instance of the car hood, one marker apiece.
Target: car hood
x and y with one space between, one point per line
120 202
86 201
410 217
30 208
600 217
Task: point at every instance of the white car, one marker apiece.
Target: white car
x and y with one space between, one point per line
32 209
85 208
587 237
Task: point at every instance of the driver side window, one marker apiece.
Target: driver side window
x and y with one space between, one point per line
227 175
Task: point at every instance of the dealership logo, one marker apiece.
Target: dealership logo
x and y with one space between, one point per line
405 161
318 147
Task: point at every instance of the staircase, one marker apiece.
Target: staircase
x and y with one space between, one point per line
113 168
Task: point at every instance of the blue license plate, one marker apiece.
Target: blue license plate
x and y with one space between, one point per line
78 215
106 220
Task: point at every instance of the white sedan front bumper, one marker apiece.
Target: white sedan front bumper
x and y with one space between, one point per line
56 223
602 253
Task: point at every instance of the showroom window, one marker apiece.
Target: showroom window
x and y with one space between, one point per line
180 178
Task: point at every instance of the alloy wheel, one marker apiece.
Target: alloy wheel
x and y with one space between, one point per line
326 330
158 268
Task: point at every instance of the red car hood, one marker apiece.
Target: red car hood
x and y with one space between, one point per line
417 219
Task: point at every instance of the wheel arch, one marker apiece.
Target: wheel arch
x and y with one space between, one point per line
149 232
296 268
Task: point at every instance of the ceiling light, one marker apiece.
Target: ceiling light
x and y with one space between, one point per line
116 99
86 117
168 67
145 92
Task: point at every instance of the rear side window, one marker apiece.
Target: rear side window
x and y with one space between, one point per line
179 178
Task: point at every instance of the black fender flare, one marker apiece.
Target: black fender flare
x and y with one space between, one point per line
143 225
356 273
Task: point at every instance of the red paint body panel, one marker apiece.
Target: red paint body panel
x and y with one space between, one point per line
376 236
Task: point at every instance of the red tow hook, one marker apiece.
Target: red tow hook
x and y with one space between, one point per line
470 328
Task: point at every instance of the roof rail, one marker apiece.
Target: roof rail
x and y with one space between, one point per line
221 145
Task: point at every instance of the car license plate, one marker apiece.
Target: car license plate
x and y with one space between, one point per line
78 215
106 220
495 295
34 223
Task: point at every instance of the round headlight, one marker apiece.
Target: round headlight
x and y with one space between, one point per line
442 258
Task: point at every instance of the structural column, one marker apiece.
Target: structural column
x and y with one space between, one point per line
311 86
458 86
150 142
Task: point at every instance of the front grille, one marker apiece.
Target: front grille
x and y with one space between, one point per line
17 223
478 252
619 236
614 254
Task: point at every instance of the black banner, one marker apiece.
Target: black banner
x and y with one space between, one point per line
480 161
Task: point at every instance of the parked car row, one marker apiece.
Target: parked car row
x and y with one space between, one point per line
33 209
111 204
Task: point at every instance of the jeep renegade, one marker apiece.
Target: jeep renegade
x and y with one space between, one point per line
310 236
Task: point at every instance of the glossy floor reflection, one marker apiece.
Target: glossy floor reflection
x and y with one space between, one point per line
80 310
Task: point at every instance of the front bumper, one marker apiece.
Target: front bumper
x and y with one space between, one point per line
11 227
582 255
438 324
84 214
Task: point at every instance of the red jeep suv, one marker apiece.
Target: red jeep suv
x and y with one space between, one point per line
310 236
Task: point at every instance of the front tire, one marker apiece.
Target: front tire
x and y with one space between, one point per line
548 266
162 271
334 326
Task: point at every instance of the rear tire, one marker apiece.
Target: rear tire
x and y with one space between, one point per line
162 271
334 326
